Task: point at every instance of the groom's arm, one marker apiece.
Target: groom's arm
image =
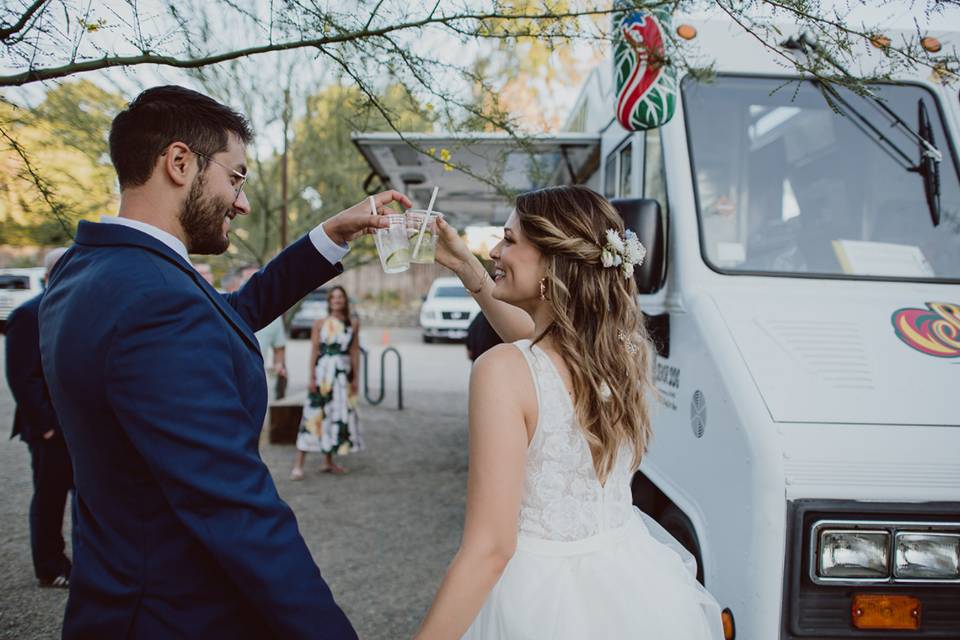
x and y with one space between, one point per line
309 262
173 387
299 269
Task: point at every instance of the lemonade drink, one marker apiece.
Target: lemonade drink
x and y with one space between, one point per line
426 252
393 246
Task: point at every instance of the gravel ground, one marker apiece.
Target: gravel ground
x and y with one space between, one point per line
382 535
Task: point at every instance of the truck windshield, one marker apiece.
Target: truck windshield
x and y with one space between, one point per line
787 185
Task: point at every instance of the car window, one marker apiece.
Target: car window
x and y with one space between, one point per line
14 282
450 292
317 296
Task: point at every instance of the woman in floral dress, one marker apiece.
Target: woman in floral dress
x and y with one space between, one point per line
329 423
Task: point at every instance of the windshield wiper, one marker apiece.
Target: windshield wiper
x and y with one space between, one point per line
928 166
861 122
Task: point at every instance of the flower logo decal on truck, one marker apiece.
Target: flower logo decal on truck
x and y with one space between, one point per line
934 331
646 85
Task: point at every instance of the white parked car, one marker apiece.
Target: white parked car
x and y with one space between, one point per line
16 287
447 310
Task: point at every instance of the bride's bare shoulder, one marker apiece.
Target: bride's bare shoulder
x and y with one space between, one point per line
502 377
500 358
502 366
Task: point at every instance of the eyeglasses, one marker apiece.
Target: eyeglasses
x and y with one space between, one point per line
242 177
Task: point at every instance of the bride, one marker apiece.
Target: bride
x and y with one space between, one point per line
552 545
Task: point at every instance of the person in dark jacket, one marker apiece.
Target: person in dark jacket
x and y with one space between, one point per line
480 336
36 423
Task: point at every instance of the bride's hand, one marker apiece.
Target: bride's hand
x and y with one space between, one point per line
452 251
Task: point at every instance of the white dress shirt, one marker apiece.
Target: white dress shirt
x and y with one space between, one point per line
330 250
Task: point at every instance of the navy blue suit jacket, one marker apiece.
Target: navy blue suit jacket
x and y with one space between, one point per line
34 415
159 386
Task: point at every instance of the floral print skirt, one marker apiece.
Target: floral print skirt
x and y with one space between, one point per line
329 423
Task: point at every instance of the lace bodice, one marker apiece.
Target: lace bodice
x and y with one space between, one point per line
562 497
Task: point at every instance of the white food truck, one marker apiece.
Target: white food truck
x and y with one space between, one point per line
803 289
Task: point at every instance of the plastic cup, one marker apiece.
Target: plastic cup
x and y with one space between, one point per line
393 246
426 253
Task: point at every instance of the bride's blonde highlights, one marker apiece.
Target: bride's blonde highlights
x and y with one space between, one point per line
593 309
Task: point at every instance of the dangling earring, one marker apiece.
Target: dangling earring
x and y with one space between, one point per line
543 288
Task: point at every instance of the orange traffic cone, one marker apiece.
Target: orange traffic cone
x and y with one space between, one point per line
385 338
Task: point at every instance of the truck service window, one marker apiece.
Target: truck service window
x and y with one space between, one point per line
654 169
787 184
626 171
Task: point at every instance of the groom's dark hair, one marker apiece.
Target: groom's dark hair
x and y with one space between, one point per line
163 115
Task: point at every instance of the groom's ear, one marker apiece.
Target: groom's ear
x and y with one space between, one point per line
178 164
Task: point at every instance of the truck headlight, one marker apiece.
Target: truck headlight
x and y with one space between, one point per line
854 554
429 315
927 555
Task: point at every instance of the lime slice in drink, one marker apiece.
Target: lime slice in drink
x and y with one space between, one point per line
425 242
398 258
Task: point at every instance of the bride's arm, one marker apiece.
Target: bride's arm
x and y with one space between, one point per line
511 323
498 449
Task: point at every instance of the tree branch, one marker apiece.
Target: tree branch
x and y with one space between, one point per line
373 14
46 192
50 73
22 22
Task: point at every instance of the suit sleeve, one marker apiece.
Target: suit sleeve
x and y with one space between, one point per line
298 270
173 387
25 373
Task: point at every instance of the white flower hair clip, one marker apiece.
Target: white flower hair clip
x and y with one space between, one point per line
623 251
631 346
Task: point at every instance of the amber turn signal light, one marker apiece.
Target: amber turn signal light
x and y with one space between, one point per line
687 31
885 612
729 630
931 44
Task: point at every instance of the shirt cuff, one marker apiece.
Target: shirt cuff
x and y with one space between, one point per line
330 250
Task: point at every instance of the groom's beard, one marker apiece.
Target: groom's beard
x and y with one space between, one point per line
201 218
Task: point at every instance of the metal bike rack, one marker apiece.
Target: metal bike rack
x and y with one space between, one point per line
383 376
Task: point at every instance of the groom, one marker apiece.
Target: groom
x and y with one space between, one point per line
158 383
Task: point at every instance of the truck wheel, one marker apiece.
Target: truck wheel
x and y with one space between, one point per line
679 526
427 339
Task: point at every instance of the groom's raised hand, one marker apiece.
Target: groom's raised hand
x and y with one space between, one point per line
351 223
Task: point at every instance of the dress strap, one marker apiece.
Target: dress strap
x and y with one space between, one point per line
525 347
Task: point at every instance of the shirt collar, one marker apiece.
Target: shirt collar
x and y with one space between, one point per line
165 237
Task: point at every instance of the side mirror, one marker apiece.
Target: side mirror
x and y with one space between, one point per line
423 298
644 216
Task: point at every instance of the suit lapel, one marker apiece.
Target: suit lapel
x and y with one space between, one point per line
228 312
105 234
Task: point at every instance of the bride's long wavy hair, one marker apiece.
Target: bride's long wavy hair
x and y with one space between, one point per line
595 319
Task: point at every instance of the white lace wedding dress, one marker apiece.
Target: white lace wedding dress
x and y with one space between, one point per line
588 563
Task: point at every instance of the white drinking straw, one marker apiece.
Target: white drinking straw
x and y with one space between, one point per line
426 216
373 212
